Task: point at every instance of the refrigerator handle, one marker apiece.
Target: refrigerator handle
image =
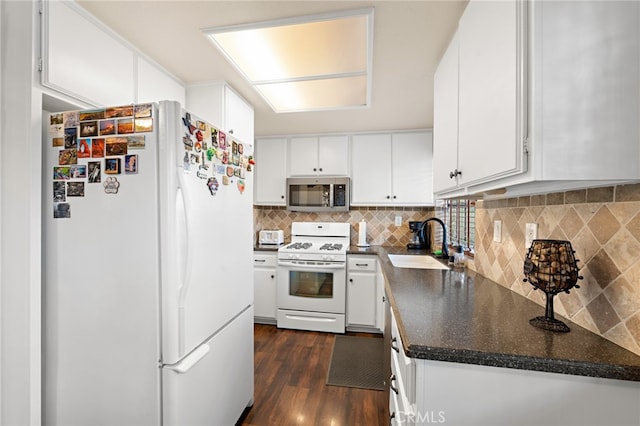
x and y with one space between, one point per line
190 360
187 260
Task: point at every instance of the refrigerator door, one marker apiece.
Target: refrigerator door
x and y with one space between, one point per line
213 384
100 298
206 241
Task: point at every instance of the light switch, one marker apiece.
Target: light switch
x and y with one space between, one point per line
530 234
497 231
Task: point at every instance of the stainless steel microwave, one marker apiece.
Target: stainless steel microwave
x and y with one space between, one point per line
318 194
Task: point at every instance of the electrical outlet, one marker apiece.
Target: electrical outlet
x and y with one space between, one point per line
530 234
398 220
497 231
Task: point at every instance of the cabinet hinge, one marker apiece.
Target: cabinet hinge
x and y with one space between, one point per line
39 64
525 146
40 7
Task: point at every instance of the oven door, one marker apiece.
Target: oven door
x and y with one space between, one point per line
311 287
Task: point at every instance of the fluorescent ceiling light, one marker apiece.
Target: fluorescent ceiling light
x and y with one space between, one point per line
308 63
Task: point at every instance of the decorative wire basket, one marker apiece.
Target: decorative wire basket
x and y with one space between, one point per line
551 266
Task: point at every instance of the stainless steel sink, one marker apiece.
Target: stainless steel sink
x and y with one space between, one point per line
415 261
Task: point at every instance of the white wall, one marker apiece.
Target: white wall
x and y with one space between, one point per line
20 158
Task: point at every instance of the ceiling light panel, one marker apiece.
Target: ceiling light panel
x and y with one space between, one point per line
299 58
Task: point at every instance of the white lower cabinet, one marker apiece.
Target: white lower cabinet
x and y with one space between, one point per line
426 392
362 293
264 286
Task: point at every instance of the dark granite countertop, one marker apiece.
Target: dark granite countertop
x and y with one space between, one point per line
453 316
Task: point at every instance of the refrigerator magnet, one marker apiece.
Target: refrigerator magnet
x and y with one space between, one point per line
225 180
112 166
187 142
94 175
241 185
70 118
136 142
143 110
88 128
130 164
61 211
144 125
70 138
59 193
125 125
84 148
97 148
67 157
75 189
213 185
107 127
111 185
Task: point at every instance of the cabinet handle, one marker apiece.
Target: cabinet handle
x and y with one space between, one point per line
362 264
315 170
350 280
320 168
282 197
455 173
395 348
259 260
388 196
394 197
273 276
231 131
391 417
391 380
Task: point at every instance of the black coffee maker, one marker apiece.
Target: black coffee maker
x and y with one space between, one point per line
420 239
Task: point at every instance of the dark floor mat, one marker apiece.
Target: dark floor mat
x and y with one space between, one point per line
357 362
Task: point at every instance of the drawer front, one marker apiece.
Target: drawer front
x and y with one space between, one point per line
405 364
367 263
265 260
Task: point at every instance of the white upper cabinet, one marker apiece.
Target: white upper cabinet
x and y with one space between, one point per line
270 175
445 120
154 85
561 113
220 105
586 76
371 169
319 155
84 59
392 169
478 90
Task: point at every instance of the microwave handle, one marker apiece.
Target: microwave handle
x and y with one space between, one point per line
331 195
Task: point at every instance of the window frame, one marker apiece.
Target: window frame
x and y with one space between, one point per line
460 223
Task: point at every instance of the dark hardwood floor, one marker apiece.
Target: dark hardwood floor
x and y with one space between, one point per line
290 384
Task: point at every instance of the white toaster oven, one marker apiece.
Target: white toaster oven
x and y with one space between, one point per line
271 237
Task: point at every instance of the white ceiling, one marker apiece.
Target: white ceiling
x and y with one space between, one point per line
409 39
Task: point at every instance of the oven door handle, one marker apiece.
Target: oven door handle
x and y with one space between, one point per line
312 266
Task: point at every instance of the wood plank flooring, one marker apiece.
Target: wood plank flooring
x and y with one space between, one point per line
290 384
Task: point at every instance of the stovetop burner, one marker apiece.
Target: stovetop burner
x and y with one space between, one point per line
299 246
330 246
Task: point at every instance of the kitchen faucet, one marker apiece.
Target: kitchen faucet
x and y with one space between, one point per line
445 250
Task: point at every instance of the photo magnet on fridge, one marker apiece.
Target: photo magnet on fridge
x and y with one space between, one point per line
61 211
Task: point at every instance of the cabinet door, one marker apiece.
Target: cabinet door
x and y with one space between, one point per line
371 169
489 98
333 155
238 116
154 85
445 120
412 170
270 177
264 284
361 299
303 156
589 90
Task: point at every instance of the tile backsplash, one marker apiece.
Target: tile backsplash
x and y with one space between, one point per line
603 226
381 228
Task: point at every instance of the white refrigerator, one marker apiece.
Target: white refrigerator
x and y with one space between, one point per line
147 288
